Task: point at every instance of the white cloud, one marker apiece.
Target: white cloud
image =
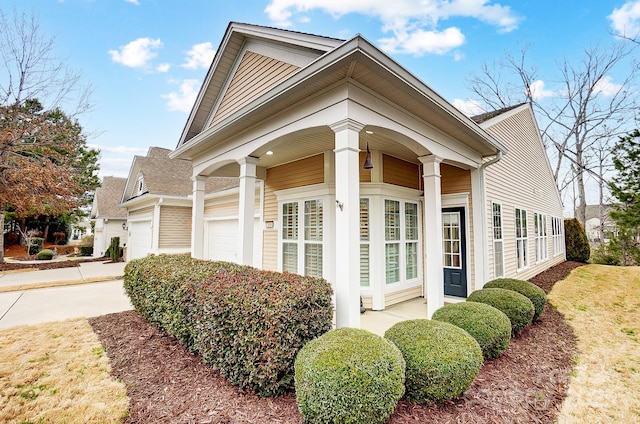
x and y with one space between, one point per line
420 42
468 107
136 2
200 56
184 99
538 91
626 20
413 24
163 67
137 53
606 87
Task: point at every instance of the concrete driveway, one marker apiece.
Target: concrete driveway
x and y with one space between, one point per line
92 289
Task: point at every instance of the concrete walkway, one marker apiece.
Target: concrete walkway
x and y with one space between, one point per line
92 289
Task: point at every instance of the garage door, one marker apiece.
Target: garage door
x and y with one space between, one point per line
139 244
222 241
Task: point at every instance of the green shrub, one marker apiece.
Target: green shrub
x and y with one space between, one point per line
576 241
348 376
517 307
45 255
86 250
442 359
34 245
115 251
535 294
489 326
250 324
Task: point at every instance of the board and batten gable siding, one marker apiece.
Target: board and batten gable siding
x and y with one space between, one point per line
175 227
300 173
521 179
255 75
454 180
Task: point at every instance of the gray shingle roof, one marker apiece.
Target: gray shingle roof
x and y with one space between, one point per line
478 119
108 197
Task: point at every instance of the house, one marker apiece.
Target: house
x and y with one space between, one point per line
351 168
110 219
599 225
156 197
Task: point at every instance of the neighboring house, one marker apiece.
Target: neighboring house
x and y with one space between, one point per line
110 219
157 197
443 204
599 224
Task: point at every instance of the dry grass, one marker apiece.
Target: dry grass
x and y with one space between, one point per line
602 304
57 373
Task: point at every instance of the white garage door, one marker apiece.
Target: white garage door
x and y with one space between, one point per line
222 241
139 244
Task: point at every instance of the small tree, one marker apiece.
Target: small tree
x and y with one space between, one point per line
115 251
576 241
625 188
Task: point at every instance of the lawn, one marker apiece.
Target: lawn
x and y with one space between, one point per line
602 304
59 372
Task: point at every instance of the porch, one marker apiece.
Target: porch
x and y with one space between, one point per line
380 321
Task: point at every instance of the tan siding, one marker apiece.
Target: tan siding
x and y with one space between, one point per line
295 174
402 295
175 227
141 212
454 180
255 75
365 174
398 172
219 209
521 179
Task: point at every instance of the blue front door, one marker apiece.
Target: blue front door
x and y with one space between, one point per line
454 251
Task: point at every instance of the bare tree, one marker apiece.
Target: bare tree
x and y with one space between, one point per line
587 108
31 69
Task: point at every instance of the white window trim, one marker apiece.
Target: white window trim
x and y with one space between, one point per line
525 240
541 237
501 239
403 282
557 239
320 192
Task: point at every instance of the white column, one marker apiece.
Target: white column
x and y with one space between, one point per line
246 209
155 230
432 225
197 218
347 234
480 230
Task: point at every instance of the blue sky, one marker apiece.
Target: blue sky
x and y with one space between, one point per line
146 59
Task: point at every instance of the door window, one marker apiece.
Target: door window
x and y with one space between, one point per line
451 239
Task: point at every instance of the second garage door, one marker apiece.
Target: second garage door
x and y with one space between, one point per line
222 241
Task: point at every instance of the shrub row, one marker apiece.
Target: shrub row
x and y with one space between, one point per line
248 323
534 293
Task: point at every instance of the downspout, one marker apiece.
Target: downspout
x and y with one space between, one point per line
483 199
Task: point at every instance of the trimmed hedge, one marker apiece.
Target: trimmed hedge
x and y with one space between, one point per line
348 375
250 324
489 326
442 359
517 307
535 294
45 255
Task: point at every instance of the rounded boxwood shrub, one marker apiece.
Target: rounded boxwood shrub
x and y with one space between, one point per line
517 307
489 326
348 376
45 255
535 294
442 359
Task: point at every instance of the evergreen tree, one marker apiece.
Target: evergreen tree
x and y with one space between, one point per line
625 188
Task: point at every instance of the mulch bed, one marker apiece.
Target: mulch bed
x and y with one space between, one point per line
168 384
14 266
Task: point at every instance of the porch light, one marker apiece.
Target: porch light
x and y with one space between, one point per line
125 227
367 160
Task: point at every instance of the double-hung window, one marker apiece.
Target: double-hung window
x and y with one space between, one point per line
541 237
556 235
364 243
302 236
522 239
498 246
401 241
